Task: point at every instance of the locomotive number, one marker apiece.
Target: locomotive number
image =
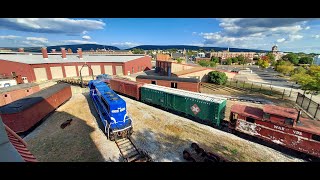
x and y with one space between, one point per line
278 127
297 132
118 110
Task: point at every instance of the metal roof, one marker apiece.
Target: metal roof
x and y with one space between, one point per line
166 78
38 58
29 101
185 93
17 87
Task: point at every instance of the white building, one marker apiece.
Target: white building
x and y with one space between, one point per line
317 60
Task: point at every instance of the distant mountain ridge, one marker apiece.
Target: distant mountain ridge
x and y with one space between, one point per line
87 47
73 47
164 47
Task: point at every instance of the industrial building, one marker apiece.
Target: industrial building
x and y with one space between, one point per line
35 67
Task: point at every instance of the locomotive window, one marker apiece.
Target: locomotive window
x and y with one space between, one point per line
173 85
153 82
315 137
288 121
266 116
249 119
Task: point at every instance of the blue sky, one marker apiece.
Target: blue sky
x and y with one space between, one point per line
290 34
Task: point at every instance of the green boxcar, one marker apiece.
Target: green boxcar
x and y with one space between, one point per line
208 108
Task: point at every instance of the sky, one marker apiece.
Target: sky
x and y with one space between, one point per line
289 34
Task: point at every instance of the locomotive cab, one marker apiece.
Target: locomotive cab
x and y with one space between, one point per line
111 109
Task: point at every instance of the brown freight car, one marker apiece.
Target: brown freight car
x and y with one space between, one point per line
279 125
126 87
13 93
189 84
24 113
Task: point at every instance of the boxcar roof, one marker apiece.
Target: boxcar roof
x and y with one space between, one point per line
311 126
108 94
253 112
126 81
16 87
185 93
165 78
28 101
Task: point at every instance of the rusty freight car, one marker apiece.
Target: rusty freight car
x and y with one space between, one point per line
189 84
24 113
13 93
126 87
283 126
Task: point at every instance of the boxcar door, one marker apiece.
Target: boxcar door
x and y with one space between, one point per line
170 101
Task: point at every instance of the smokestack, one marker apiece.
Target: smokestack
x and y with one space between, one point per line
64 53
80 53
44 52
53 50
298 118
21 50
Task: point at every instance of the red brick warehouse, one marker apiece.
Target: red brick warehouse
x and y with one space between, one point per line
43 66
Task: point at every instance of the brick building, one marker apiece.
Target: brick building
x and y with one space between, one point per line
43 66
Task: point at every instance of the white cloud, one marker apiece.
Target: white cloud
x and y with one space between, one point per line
308 27
86 37
85 32
316 36
79 42
281 40
194 33
125 44
9 37
51 25
37 39
294 37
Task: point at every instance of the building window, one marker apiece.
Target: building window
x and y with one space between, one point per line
174 85
315 137
13 74
132 70
153 82
142 68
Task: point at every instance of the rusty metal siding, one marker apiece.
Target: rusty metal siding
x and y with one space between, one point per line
129 88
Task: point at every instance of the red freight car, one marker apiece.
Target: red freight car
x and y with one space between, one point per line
283 126
24 113
129 88
13 93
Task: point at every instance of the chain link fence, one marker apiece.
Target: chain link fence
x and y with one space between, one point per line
309 105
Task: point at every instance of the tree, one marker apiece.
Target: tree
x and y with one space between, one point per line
306 60
241 59
229 61
285 68
179 60
234 60
299 70
204 63
263 63
137 51
212 64
217 77
214 59
293 58
271 57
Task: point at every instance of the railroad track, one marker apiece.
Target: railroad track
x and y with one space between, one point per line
213 88
130 152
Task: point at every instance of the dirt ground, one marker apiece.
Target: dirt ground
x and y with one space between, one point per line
162 134
81 141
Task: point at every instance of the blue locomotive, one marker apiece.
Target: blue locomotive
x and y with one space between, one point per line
111 109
